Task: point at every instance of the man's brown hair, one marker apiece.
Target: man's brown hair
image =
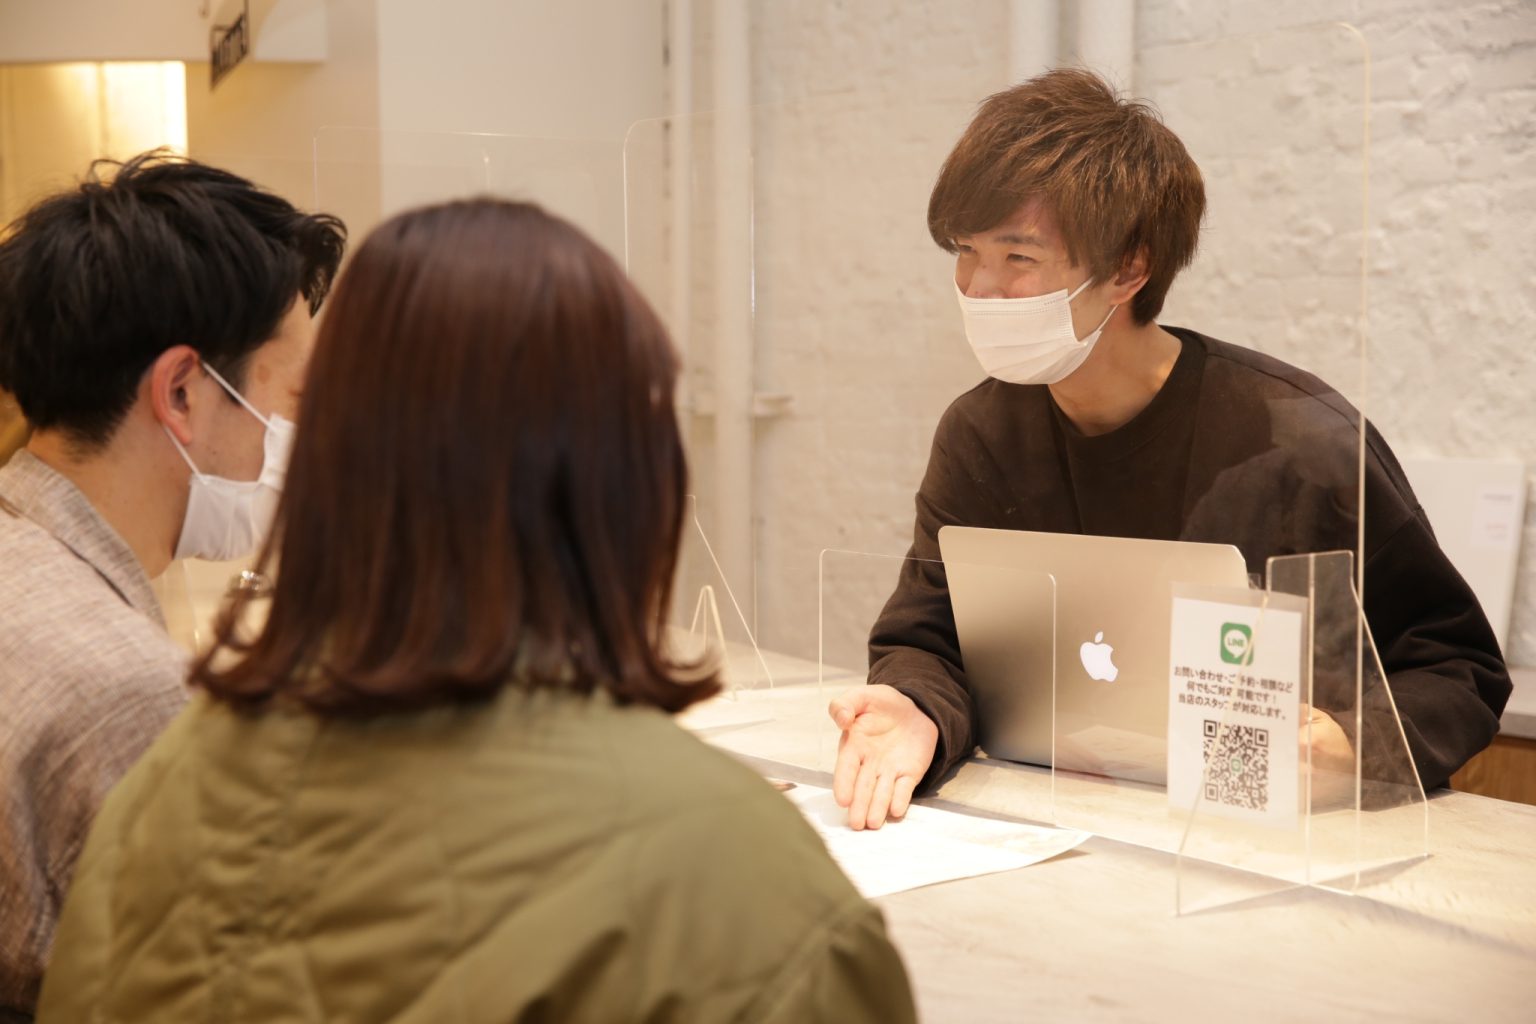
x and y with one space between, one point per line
1117 181
487 484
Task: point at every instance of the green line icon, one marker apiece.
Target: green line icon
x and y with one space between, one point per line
1236 643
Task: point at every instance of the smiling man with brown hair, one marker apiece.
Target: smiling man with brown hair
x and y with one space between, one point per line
1070 212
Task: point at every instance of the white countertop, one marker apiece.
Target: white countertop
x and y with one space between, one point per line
1093 935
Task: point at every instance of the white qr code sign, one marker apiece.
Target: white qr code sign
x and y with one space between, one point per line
1234 697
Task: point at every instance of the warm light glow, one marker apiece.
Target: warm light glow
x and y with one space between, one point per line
55 119
173 75
144 106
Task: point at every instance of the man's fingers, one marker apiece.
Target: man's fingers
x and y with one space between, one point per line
901 795
880 803
844 772
845 707
863 792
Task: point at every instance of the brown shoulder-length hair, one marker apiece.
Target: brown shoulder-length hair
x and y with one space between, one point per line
487 483
1118 182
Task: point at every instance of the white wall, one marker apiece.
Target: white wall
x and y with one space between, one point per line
361 133
854 316
262 119
399 75
576 69
560 84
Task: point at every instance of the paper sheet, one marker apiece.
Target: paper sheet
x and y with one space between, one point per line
927 846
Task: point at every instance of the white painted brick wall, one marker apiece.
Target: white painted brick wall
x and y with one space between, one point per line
1453 186
855 314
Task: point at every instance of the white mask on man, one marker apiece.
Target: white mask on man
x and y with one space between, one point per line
228 519
1027 341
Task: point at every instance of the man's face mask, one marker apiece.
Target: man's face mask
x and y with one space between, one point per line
228 519
1027 341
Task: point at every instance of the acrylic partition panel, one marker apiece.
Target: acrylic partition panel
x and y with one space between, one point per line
1378 818
581 180
1341 806
825 364
1277 445
707 622
1452 258
1003 615
784 247
292 176
1345 805
365 175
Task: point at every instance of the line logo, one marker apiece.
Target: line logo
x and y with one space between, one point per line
1236 643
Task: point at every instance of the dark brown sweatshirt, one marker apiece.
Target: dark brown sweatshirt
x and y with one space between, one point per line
1236 448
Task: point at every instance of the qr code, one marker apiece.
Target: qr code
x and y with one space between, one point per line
1237 765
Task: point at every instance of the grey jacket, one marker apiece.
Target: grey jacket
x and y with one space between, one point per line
88 678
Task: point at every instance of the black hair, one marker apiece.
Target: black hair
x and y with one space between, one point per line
98 281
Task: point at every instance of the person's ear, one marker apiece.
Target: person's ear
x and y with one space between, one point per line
1130 278
170 380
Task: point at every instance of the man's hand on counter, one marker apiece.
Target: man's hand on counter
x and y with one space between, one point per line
886 747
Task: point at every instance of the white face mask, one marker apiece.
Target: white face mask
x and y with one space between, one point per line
1027 341
228 519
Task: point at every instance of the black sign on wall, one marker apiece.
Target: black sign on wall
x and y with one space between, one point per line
229 44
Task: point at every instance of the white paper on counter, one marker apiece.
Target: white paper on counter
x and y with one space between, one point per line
927 846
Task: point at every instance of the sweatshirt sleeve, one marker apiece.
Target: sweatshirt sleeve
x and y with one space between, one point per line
1442 661
914 647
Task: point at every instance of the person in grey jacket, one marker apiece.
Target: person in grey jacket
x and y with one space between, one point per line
155 323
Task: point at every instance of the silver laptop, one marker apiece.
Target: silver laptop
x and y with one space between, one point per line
1093 615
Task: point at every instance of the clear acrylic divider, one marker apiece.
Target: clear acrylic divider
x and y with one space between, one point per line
1360 813
687 194
192 592
1370 816
742 228
1005 619
181 618
771 707
784 247
1282 452
773 704
707 617
1278 123
852 588
365 175
291 176
1118 737
1242 779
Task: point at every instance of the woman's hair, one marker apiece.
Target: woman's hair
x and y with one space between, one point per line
488 484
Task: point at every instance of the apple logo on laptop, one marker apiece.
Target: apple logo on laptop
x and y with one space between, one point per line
1098 659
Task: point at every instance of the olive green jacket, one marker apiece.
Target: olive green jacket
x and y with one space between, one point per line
540 857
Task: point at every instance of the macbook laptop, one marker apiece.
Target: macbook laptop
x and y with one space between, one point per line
1075 629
